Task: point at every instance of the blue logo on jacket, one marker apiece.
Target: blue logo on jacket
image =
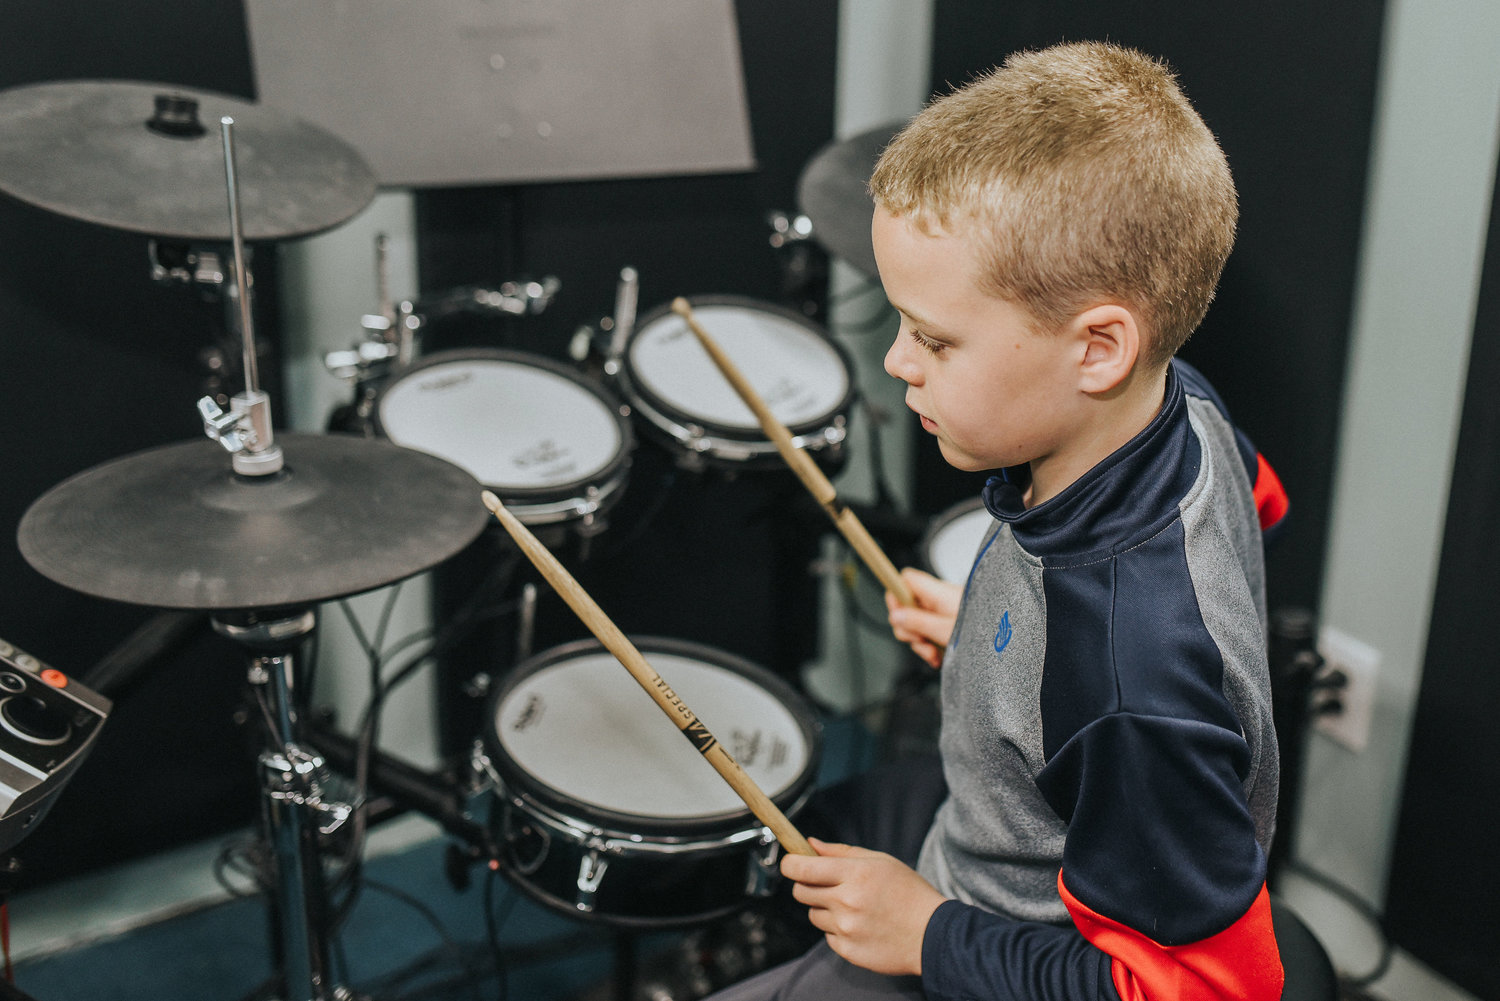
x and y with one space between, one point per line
1002 633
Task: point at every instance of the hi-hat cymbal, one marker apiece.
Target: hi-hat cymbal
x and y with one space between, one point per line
832 192
176 527
101 151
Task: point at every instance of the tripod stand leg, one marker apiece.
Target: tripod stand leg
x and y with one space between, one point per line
300 898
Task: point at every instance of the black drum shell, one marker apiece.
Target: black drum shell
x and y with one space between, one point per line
662 871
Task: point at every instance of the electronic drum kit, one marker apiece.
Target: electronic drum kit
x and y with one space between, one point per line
259 528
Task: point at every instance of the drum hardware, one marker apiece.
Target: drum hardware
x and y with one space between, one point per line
844 519
787 230
804 274
532 833
392 333
439 795
293 810
256 541
622 323
525 621
392 336
245 431
389 341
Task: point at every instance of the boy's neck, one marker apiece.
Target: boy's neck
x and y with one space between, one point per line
1110 420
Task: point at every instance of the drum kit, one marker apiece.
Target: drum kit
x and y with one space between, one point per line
258 528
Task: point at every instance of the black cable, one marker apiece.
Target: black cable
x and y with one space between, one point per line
493 922
465 618
659 496
1365 909
249 866
449 944
884 496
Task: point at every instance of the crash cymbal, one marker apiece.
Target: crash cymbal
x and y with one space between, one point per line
175 527
149 158
831 191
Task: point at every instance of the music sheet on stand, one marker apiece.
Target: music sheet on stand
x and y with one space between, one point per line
453 92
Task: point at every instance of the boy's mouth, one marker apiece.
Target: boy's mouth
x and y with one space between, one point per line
928 424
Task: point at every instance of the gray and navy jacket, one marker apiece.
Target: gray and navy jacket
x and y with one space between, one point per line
1107 735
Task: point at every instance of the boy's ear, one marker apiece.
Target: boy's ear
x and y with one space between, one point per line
1111 340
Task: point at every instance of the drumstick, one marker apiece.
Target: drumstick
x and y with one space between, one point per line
645 675
802 464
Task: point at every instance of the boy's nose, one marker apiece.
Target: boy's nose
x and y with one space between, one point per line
898 362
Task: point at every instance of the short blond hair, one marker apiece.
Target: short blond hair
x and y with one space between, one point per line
1089 176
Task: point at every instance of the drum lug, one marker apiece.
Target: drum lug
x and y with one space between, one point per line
764 866
591 869
835 434
481 765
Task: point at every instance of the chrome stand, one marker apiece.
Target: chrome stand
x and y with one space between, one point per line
294 812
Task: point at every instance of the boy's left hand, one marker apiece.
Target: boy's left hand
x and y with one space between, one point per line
872 908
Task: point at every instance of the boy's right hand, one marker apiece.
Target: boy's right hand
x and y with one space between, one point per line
928 627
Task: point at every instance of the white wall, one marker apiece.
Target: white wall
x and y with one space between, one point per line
328 283
882 76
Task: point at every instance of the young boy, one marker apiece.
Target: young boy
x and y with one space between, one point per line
1050 235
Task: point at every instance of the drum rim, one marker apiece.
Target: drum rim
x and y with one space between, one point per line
658 410
607 475
940 521
522 783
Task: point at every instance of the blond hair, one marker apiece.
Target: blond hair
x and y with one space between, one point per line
1088 177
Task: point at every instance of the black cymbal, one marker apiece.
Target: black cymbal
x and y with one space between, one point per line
832 193
176 527
103 152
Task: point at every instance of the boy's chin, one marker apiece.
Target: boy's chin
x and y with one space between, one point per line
962 460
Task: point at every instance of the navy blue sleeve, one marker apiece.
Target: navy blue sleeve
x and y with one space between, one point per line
970 953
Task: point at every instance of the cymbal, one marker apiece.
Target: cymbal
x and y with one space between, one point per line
100 151
176 527
831 191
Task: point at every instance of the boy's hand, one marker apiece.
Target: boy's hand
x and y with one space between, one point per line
928 627
872 908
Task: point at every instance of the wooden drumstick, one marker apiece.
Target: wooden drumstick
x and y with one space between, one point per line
802 464
767 812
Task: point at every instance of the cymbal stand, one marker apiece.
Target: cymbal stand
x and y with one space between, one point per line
391 335
294 810
245 431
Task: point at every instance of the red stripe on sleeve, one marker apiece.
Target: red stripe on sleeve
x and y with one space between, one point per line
1270 496
1240 963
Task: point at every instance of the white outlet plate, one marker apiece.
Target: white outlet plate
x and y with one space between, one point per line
1360 663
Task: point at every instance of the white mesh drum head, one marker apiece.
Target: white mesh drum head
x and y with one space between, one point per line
513 426
796 371
585 728
954 543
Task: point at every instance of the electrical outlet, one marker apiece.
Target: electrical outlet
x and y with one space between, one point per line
1360 663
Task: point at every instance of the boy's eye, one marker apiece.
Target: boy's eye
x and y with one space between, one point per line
930 345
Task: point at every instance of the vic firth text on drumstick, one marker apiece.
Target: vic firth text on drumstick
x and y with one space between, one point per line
802 464
615 641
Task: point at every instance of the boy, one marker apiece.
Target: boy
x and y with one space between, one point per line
1050 235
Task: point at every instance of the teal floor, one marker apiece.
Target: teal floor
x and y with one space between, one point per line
411 933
